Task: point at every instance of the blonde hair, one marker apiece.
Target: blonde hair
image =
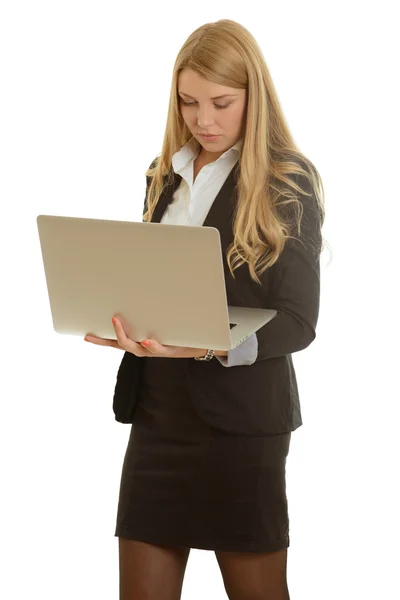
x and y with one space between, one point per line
272 169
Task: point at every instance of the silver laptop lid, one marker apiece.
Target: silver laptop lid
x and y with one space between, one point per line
166 281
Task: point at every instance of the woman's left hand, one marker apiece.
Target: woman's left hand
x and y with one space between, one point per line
144 348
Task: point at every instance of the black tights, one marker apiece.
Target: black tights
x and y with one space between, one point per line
150 572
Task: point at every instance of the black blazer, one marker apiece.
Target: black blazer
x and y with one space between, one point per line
261 398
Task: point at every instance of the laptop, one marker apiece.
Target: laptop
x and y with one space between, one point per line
166 282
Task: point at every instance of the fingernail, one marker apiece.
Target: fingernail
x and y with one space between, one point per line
146 342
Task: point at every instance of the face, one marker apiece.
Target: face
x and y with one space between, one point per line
204 112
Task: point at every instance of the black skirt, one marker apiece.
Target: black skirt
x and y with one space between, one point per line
185 483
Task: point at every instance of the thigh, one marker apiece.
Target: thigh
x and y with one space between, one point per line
151 572
254 576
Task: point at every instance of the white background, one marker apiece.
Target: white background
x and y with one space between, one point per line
84 92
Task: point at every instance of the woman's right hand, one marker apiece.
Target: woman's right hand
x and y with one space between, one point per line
122 342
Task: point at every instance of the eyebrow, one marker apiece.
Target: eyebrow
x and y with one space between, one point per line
215 97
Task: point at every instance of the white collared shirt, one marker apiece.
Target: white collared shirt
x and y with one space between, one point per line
192 201
190 205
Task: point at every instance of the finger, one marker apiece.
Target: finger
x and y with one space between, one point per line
156 348
121 335
101 341
147 345
126 343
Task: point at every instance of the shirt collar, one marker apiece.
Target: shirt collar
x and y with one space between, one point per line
191 149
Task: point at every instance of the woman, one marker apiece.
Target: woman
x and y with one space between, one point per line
205 463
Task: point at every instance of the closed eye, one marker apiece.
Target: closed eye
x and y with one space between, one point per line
216 105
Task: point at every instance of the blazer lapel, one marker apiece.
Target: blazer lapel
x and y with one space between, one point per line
165 199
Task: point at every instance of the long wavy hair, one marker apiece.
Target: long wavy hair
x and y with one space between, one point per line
271 165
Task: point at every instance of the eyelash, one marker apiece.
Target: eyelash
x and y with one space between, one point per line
192 103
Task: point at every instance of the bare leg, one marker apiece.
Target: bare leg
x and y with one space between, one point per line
150 572
253 576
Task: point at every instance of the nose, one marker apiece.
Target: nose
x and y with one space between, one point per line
204 118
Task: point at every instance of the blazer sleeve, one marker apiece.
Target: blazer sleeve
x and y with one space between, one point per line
294 286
